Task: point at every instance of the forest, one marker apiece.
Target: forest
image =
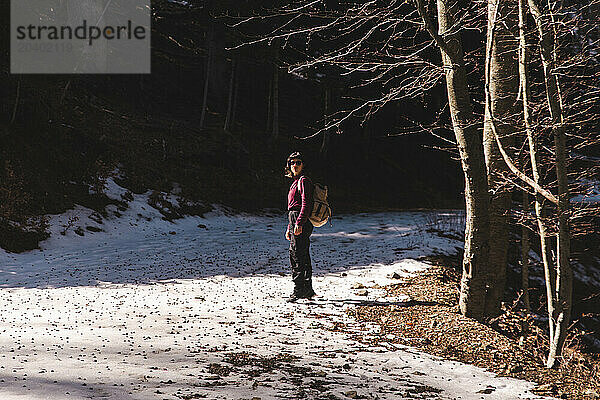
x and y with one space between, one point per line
473 122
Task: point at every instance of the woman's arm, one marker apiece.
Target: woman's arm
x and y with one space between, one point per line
306 189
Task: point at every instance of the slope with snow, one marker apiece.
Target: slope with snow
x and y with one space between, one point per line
152 309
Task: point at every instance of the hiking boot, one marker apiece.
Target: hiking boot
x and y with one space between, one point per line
293 298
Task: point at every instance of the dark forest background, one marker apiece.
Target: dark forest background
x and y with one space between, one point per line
60 134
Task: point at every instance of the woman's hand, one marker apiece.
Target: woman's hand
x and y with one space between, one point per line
297 230
287 234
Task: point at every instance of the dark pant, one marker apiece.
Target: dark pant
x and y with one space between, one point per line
300 256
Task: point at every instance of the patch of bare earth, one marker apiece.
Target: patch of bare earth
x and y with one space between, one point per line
516 347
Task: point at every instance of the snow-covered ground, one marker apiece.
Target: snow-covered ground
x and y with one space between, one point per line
150 309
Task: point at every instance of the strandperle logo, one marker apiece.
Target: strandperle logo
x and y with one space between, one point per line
82 32
80 36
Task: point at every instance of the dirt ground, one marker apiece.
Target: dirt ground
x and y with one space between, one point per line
511 345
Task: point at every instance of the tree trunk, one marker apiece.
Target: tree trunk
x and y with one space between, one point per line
503 87
327 132
230 99
209 63
472 290
366 139
525 256
64 93
236 91
534 157
17 100
524 92
269 106
275 131
564 274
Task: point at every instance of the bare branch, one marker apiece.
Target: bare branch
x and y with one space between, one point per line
439 40
511 165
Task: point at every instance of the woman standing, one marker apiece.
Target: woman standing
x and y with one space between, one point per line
299 227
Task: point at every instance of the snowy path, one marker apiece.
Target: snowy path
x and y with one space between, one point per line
176 311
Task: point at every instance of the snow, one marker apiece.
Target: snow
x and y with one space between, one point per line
590 192
141 309
183 3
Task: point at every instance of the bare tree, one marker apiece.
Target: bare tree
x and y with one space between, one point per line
384 48
562 297
208 69
558 273
231 98
503 87
401 66
534 156
17 100
525 248
473 281
327 100
275 98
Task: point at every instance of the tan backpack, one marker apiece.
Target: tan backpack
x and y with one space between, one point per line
321 211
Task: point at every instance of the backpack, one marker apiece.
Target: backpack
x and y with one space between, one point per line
321 211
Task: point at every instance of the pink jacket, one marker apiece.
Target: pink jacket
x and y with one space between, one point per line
300 198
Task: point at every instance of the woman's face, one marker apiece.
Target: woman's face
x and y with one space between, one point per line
296 166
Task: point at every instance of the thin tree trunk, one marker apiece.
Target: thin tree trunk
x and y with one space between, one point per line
525 256
534 156
366 139
472 290
275 132
209 63
524 93
326 133
64 93
270 106
17 100
564 274
503 87
236 90
228 116
552 301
